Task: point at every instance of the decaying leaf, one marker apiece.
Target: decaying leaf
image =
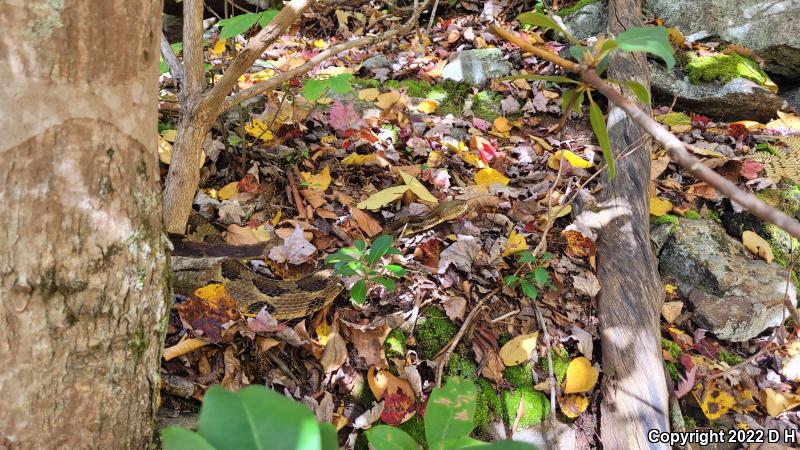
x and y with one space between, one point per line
208 311
294 250
454 307
335 353
757 245
587 284
461 253
572 405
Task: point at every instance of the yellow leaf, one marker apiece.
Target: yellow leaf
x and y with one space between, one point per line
778 402
170 135
488 176
427 106
501 125
258 129
790 120
219 47
516 243
573 159
368 95
262 75
320 181
434 158
716 402
557 211
319 43
581 376
659 207
228 191
757 245
670 289
382 198
388 99
751 125
327 139
572 405
518 350
276 218
354 159
211 293
417 188
164 151
323 330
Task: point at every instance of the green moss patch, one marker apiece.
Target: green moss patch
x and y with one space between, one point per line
672 348
395 345
724 68
560 364
536 405
434 333
414 88
666 218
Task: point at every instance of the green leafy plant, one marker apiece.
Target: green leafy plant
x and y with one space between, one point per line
652 40
532 276
340 84
358 261
237 25
253 418
449 420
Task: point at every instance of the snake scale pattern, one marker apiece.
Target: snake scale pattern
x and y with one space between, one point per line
291 299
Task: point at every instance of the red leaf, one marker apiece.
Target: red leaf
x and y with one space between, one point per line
686 384
738 131
397 407
700 121
248 184
750 169
488 153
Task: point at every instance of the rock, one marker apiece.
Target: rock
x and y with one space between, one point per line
588 21
739 99
734 296
793 98
379 61
770 29
558 436
476 67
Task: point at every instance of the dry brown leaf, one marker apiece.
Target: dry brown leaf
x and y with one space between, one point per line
671 310
335 353
365 222
454 307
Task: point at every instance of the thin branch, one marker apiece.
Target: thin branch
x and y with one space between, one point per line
277 80
675 148
175 66
444 355
194 76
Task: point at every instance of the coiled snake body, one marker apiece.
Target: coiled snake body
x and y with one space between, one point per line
291 299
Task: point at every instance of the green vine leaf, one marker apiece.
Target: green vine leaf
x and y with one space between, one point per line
600 130
653 40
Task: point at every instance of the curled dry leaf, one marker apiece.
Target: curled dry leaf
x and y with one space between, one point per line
365 222
587 284
454 307
461 253
335 353
585 341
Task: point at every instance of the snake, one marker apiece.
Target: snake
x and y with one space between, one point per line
288 299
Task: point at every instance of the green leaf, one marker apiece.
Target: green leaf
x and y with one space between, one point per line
256 418
566 97
511 280
330 441
313 89
360 245
539 20
541 276
527 257
345 268
395 270
390 438
577 52
380 246
266 17
461 443
177 47
653 40
387 282
175 438
600 130
359 292
450 412
162 66
639 91
547 256
236 25
340 84
529 290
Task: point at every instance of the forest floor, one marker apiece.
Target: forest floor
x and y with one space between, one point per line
283 163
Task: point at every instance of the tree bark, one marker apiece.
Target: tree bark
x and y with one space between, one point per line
635 396
83 290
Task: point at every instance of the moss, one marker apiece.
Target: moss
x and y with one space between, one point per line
451 96
434 333
672 348
724 68
488 407
783 245
536 405
674 118
415 427
690 423
564 12
414 88
395 345
672 370
714 215
503 338
691 214
138 344
560 364
486 105
365 83
729 358
462 367
666 218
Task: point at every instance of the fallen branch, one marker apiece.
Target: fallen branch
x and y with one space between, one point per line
675 148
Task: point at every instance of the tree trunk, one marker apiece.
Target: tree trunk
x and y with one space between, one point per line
82 267
634 390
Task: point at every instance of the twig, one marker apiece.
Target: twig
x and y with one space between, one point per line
550 373
175 66
433 15
675 148
298 200
182 348
282 365
505 316
443 358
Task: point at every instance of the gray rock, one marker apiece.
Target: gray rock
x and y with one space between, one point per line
379 61
659 235
769 28
792 97
739 99
733 295
477 66
588 21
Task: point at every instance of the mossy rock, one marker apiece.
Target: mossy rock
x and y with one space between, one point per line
451 96
782 243
434 332
414 88
486 105
724 68
666 218
536 404
729 358
564 12
560 364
